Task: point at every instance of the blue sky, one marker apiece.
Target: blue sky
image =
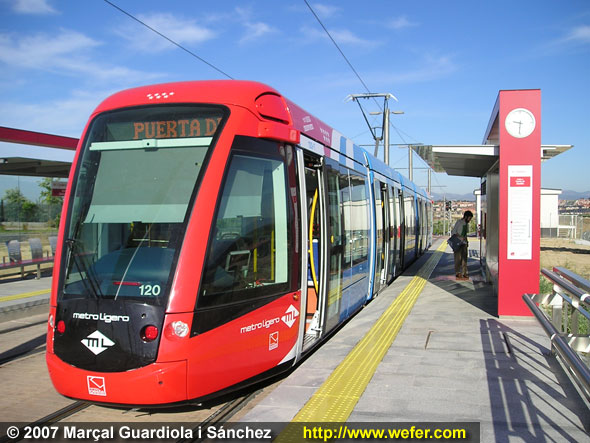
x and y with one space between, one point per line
444 61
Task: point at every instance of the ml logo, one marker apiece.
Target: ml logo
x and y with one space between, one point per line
97 342
290 316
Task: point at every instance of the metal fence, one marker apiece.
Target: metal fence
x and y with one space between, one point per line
29 212
571 226
564 316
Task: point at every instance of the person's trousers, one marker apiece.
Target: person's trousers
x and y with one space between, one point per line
460 256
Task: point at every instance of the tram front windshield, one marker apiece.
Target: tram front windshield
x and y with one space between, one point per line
137 176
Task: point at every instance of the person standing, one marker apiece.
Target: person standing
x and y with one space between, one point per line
460 230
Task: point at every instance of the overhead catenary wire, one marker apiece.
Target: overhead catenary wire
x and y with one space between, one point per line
355 73
225 74
169 39
337 47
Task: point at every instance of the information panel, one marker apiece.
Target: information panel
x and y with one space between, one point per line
520 212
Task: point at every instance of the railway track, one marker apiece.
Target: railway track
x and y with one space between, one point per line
25 378
22 339
29 394
47 424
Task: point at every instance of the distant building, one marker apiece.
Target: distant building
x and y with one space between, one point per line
550 212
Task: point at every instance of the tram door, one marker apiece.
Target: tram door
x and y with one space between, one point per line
382 239
402 230
393 233
316 226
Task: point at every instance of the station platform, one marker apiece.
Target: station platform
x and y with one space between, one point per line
450 360
24 297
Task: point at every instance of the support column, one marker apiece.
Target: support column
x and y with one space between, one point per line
519 122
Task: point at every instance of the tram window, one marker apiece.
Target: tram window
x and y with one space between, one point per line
345 204
132 197
359 220
250 243
338 244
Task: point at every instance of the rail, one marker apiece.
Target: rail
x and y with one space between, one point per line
569 300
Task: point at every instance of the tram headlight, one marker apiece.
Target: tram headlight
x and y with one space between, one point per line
180 328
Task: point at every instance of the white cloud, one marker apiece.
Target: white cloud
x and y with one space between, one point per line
573 39
254 30
67 53
401 23
182 31
579 34
66 116
341 36
325 11
345 36
33 7
43 50
432 68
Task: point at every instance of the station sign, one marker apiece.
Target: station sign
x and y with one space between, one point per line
520 212
58 188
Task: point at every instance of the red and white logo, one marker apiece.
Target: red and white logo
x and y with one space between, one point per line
290 315
273 341
96 385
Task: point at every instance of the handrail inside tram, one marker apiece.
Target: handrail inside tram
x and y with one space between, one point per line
311 259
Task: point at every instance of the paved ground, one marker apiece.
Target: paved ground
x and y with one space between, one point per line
453 360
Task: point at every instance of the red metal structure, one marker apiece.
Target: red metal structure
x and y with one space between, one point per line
517 118
25 165
12 135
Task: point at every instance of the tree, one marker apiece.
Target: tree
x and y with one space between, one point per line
53 204
18 207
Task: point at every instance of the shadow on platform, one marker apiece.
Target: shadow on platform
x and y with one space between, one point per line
529 392
475 291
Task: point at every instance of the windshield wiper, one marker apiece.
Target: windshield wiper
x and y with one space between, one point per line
90 280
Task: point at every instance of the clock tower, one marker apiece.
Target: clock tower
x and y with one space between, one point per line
519 228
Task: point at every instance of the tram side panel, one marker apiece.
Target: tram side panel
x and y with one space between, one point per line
348 241
253 259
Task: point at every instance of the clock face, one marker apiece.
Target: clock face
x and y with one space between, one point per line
520 123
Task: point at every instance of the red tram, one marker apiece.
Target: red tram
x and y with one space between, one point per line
213 233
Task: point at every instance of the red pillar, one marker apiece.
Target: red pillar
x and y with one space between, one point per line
519 121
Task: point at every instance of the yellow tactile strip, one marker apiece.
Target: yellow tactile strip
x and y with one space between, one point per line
24 295
335 400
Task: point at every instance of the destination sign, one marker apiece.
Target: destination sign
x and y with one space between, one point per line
189 127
